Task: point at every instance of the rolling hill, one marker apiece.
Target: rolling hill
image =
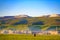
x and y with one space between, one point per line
25 22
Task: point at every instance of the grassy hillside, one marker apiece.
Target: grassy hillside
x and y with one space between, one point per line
25 23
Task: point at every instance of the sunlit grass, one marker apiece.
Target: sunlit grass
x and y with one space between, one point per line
28 37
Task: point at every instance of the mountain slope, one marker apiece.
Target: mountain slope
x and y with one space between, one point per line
25 22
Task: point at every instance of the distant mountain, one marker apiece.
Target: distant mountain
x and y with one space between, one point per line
26 16
8 17
13 17
21 16
52 15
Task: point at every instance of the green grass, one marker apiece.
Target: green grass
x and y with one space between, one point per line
28 37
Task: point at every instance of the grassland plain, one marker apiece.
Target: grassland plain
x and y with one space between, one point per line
28 37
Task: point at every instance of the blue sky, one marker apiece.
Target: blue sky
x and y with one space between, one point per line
29 7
